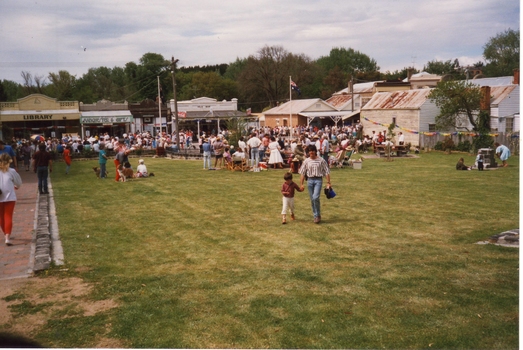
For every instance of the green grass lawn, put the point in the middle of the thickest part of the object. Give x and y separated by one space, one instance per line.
200 259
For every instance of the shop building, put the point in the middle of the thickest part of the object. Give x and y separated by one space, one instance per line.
105 116
149 116
39 114
206 114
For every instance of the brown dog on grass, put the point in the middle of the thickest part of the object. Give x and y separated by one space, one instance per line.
97 172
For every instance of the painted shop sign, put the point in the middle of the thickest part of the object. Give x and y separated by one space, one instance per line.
38 117
105 120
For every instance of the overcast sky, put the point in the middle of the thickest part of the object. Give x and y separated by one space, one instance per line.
42 36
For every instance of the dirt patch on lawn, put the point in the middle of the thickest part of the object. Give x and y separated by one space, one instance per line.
49 298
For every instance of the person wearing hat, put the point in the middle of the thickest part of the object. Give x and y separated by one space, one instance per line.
314 168
9 150
218 147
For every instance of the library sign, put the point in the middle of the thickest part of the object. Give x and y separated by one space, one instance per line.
38 117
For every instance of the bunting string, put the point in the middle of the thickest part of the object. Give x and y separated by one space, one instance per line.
432 133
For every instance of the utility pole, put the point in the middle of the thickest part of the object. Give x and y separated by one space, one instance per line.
352 91
173 74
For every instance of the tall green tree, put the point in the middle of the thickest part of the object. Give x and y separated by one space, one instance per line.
450 67
348 61
502 53
459 102
207 84
62 85
151 66
342 65
11 91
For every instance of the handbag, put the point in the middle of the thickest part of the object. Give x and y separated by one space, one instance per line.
329 192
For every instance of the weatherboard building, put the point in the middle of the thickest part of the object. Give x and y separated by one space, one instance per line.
39 114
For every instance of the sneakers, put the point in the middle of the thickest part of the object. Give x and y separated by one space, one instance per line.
7 240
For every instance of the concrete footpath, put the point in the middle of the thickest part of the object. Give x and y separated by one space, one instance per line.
18 260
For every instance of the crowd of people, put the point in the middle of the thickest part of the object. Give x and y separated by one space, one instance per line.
305 150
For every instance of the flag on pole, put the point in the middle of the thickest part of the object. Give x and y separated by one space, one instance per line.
295 87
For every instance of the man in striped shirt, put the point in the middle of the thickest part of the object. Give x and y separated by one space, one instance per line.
315 168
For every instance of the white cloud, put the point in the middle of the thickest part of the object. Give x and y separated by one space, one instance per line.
49 34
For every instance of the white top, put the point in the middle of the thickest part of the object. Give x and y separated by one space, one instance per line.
254 142
8 182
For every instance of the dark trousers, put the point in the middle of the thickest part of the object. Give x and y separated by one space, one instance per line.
42 172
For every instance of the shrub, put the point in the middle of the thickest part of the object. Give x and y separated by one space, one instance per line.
464 146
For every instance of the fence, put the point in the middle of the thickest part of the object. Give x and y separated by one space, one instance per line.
511 140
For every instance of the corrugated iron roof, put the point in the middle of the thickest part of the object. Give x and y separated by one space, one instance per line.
359 88
407 99
499 93
497 81
339 101
295 106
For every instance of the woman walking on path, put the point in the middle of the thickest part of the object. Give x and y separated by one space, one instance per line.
9 182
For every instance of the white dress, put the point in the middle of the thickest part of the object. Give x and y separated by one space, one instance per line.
275 156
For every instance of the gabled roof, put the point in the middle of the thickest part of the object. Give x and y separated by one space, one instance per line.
497 81
499 93
298 106
359 88
407 99
342 102
200 100
423 76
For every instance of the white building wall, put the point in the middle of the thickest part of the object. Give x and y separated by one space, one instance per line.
509 107
427 115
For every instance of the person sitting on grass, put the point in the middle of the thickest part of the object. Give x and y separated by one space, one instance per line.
141 170
461 165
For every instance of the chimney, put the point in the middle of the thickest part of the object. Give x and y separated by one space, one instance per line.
516 77
409 73
485 98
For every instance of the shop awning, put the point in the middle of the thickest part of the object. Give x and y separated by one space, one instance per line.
336 116
193 115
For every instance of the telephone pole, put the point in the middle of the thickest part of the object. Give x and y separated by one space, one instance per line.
174 102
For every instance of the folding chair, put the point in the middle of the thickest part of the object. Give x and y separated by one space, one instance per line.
340 158
240 164
229 163
346 160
